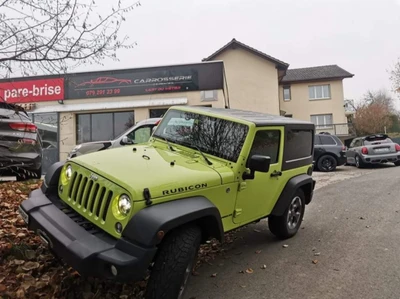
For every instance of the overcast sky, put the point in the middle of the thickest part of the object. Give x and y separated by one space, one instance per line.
361 36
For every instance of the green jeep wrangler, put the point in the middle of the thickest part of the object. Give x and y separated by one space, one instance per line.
205 171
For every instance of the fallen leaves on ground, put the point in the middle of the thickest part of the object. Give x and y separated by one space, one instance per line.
29 270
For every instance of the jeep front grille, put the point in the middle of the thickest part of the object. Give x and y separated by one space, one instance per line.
92 197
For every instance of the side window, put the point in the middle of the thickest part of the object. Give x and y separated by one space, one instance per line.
140 135
299 144
353 143
356 143
327 140
266 143
317 140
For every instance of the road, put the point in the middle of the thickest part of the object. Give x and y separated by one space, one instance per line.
351 230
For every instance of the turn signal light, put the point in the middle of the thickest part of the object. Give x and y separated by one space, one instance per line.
364 151
397 147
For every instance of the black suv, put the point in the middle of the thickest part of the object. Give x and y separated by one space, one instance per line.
20 144
329 152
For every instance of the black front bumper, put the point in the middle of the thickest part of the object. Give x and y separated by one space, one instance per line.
91 254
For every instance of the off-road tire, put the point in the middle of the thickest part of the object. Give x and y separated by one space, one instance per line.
177 252
332 161
397 163
279 225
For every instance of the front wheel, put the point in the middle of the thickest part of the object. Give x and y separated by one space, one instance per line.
174 263
397 163
287 225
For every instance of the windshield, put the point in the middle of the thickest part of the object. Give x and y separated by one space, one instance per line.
215 136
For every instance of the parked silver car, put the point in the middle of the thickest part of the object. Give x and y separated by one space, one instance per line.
139 133
373 149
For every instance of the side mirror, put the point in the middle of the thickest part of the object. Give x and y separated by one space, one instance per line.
126 140
257 163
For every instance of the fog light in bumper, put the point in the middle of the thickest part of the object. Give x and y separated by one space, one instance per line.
118 227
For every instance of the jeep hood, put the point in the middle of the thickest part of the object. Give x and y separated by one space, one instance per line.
93 146
163 172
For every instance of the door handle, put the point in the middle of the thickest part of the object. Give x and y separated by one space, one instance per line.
276 173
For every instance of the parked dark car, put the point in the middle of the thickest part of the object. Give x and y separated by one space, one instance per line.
373 149
329 152
139 133
20 144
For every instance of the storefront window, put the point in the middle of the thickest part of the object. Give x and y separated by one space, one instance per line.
157 112
102 126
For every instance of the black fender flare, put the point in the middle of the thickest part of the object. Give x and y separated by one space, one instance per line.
302 181
144 226
50 182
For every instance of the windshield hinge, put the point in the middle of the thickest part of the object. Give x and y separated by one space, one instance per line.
147 196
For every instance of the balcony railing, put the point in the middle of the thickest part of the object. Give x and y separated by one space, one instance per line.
336 129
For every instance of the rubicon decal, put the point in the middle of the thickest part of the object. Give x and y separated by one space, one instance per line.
186 188
32 91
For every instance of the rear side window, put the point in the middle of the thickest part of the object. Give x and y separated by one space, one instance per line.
299 144
13 115
327 140
317 141
266 143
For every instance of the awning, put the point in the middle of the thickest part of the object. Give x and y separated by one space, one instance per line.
110 105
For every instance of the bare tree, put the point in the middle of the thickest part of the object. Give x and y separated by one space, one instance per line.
53 36
395 77
374 112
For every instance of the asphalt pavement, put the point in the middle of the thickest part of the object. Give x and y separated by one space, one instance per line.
348 247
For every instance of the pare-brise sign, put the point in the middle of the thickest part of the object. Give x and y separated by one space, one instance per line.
32 91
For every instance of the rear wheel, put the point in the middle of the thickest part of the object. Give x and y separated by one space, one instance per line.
359 162
174 263
287 225
327 163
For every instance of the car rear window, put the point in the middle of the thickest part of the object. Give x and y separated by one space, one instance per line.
378 141
13 115
327 140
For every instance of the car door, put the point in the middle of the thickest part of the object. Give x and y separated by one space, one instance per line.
351 152
253 197
318 148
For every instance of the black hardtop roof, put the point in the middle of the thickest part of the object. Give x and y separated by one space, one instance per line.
375 136
258 118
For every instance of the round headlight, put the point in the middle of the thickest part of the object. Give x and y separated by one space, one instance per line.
124 204
68 172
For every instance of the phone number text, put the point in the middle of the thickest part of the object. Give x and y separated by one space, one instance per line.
100 92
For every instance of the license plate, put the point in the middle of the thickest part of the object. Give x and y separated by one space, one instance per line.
381 150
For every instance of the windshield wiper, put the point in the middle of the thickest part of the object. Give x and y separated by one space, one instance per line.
169 145
201 153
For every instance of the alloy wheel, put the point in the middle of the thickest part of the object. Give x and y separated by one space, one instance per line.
327 164
294 213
